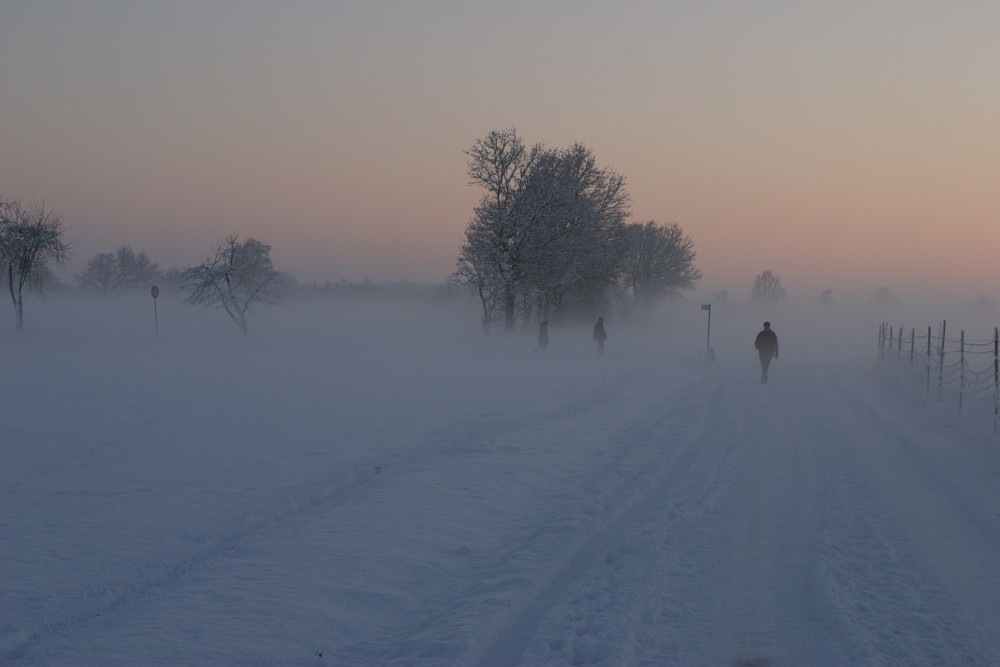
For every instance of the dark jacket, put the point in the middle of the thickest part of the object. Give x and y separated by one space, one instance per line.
767 343
599 333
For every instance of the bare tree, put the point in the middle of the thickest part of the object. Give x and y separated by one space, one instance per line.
238 277
657 261
30 237
101 274
493 256
476 268
884 298
767 289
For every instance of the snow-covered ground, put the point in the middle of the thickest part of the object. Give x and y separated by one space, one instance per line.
365 485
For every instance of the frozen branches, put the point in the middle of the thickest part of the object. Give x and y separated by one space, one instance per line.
237 278
767 289
120 270
550 234
30 237
546 230
657 261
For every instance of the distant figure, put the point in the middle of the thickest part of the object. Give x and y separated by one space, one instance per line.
600 335
543 336
767 349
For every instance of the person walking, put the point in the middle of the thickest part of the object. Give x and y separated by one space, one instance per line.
767 349
600 335
543 336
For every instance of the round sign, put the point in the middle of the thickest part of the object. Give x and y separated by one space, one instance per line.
155 291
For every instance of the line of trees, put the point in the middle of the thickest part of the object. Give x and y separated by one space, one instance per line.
238 277
121 270
551 235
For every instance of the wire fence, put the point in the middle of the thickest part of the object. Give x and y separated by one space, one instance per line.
960 374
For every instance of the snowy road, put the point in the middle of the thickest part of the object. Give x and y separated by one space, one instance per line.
796 525
430 507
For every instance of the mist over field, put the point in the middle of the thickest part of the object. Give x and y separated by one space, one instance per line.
374 481
848 321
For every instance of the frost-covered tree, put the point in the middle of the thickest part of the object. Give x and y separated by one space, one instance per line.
986 302
492 259
101 273
135 269
575 243
546 228
238 277
173 278
122 269
884 298
30 238
656 261
767 289
478 268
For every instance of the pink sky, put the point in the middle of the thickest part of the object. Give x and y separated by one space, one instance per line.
842 145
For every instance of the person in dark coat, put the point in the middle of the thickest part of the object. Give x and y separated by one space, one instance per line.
767 349
600 335
543 336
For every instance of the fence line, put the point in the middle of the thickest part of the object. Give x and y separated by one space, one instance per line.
967 372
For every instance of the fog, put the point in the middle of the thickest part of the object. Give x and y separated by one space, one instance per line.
374 481
836 331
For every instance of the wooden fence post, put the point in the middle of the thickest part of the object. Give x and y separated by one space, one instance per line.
944 329
996 377
928 359
961 369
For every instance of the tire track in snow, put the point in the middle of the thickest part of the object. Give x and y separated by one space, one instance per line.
952 532
732 578
276 508
505 642
828 562
752 643
874 597
845 570
786 616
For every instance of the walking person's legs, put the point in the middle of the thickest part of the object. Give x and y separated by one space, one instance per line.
765 361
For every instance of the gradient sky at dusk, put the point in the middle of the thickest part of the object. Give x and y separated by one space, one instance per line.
840 144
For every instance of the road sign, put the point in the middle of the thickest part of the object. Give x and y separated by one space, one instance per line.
156 315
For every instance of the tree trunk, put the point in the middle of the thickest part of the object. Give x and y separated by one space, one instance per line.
10 285
486 313
509 309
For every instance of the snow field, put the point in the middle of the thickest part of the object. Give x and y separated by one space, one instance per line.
382 486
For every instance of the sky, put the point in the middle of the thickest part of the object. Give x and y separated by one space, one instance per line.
841 145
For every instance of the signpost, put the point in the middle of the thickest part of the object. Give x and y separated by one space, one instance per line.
156 316
709 352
